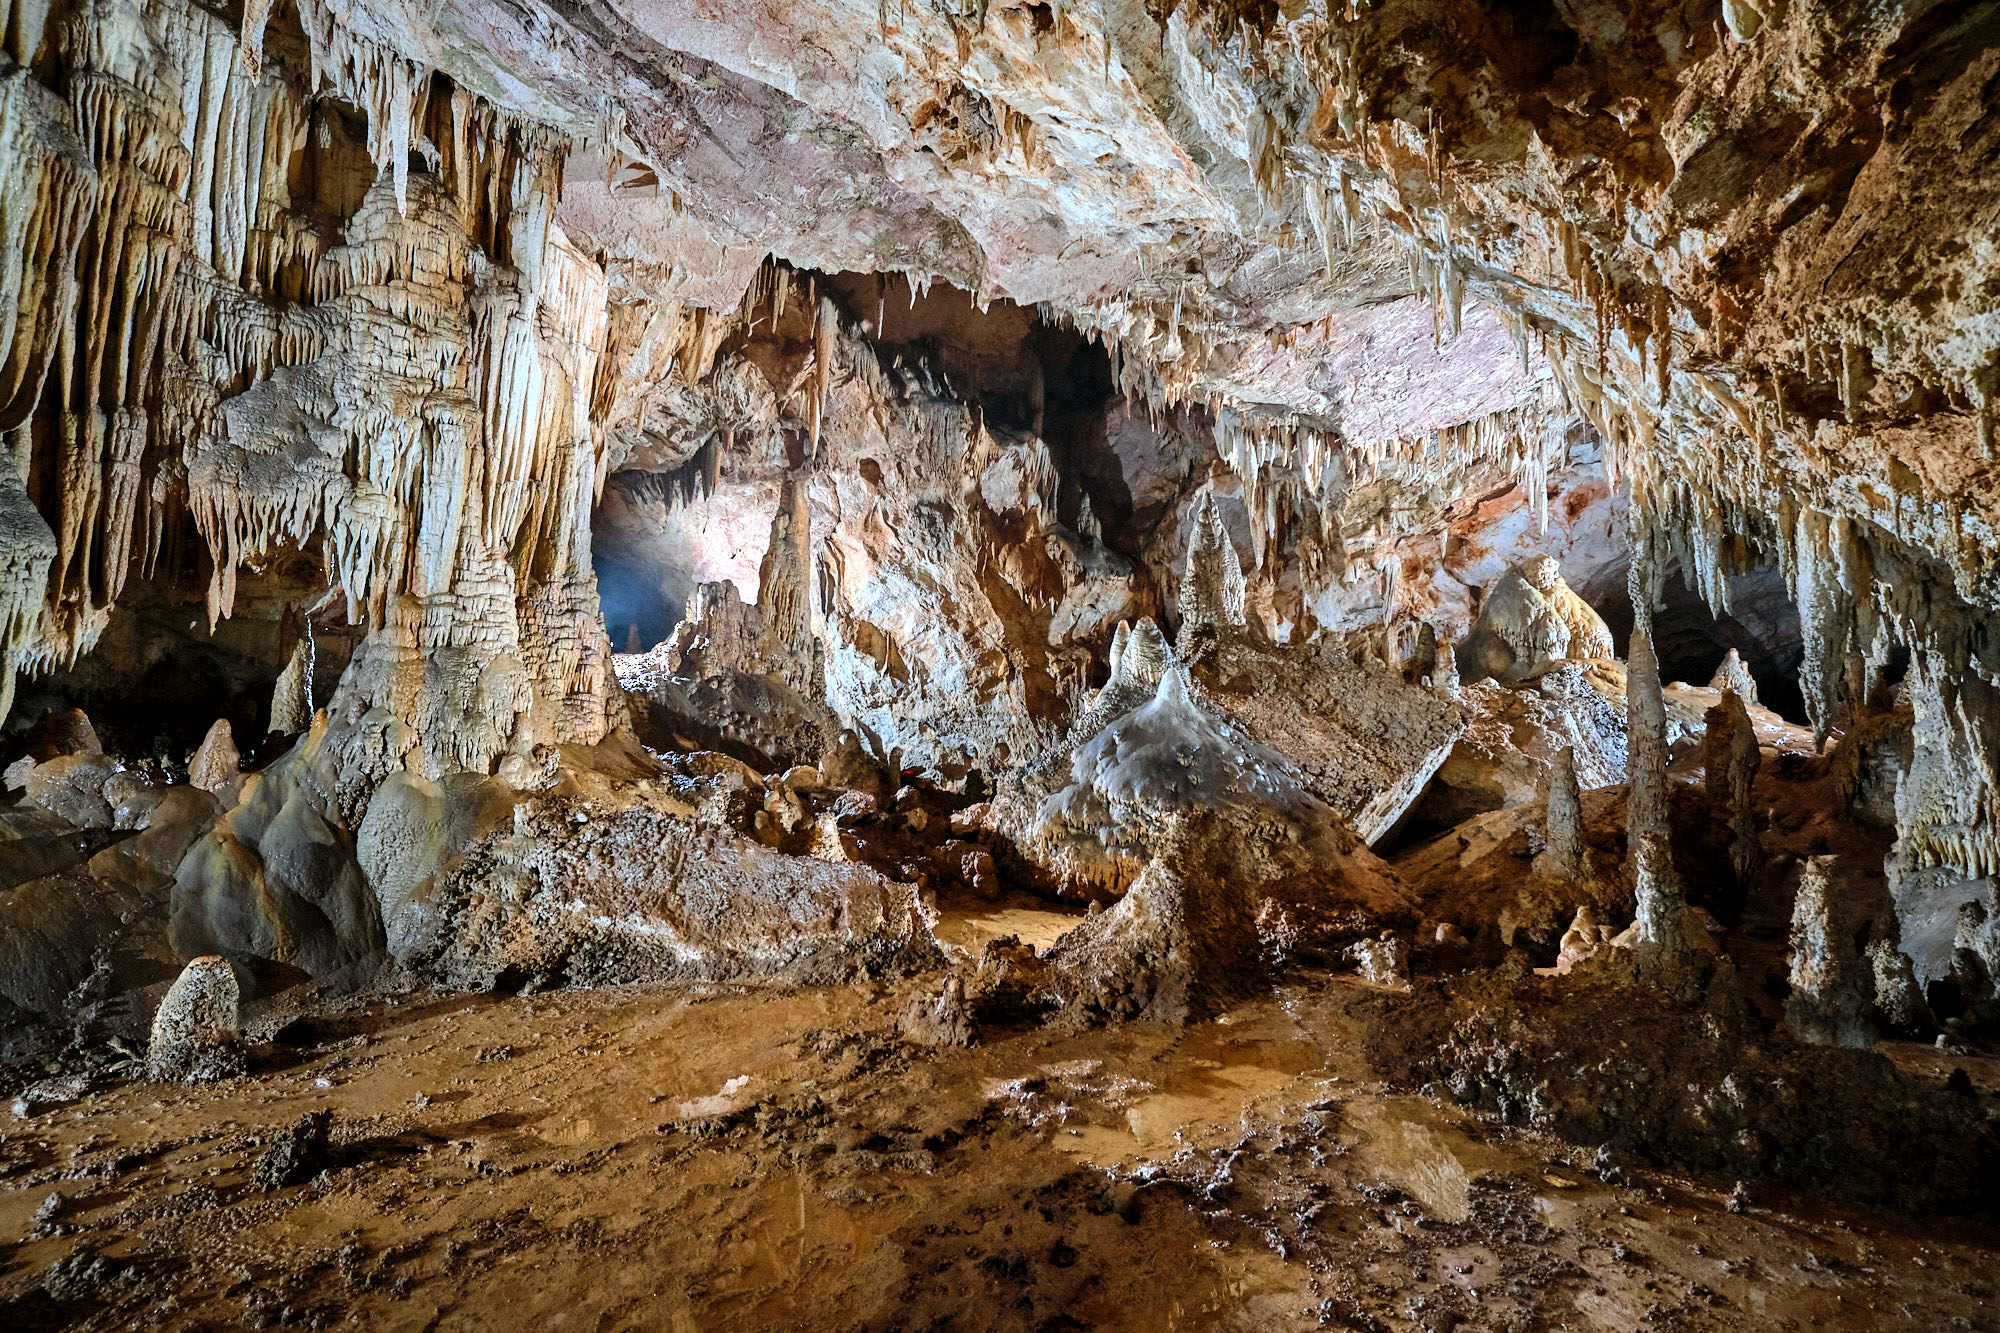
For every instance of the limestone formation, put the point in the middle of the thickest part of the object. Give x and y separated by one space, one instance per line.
1562 822
1667 947
1899 1000
1734 678
1829 1003
1529 620
1584 939
216 764
633 895
1646 729
1444 672
1730 758
1179 944
291 697
1975 959
1211 595
276 877
1175 754
882 379
195 1028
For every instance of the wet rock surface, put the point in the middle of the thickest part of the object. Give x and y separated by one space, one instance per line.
1693 1088
1253 1172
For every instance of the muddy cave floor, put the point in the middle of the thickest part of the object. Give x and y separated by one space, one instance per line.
654 1157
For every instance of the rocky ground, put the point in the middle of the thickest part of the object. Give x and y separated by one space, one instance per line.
700 1158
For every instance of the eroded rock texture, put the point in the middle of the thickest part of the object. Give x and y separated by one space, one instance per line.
1039 515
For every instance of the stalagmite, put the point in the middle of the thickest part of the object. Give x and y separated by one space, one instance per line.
1211 594
216 764
1646 729
1732 676
784 581
194 1032
1669 949
1899 997
1828 1005
1562 821
1583 940
1444 675
1529 620
1730 757
291 697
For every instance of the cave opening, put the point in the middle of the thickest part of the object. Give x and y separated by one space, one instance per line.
1691 640
696 504
642 590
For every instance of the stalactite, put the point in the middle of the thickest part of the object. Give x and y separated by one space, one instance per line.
1826 610
826 334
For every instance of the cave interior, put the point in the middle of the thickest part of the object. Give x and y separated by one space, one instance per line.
1018 666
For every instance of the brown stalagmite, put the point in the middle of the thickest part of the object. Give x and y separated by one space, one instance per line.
1730 758
1646 729
784 585
1562 821
216 764
1668 947
1830 980
1733 675
1444 675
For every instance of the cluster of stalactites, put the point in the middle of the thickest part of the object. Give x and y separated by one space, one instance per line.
494 162
1890 560
451 409
154 173
1861 591
422 396
1296 475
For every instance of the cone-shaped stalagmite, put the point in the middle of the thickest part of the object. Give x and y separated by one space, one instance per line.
1671 951
1646 725
1730 757
1444 675
1733 675
291 697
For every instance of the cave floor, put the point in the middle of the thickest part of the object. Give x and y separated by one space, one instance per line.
655 1158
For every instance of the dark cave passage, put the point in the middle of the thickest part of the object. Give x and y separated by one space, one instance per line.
1691 640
